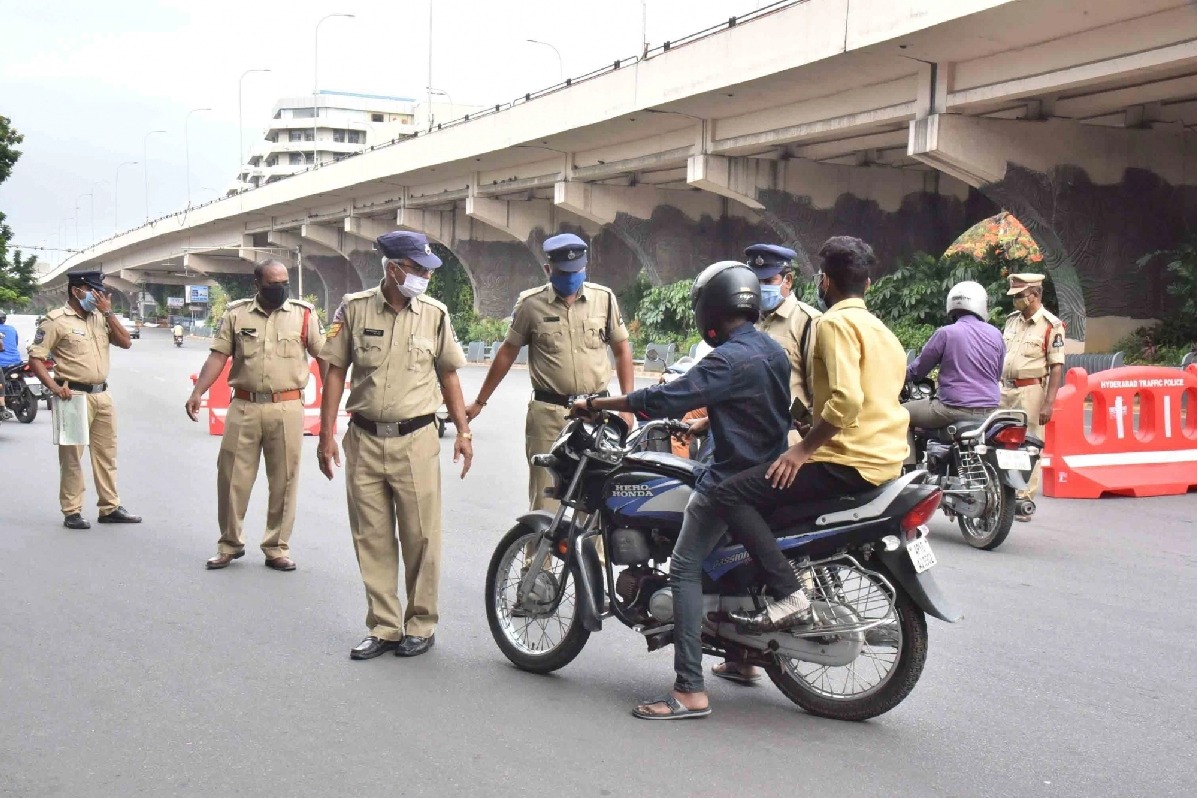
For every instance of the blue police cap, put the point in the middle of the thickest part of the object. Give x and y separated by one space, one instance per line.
413 246
767 260
566 252
89 279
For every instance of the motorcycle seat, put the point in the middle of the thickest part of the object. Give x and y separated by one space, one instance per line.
950 433
664 461
790 516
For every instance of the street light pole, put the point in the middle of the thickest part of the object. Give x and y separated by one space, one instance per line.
240 125
91 195
561 72
187 149
145 168
116 196
431 93
316 80
430 65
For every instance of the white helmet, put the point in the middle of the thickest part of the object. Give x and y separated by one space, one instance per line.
969 297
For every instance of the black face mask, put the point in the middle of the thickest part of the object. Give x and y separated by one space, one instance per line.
273 296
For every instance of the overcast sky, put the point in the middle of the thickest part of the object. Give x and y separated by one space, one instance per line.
84 81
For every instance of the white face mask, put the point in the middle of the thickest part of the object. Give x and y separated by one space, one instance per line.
412 286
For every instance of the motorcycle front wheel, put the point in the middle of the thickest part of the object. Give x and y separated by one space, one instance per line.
988 531
883 674
541 633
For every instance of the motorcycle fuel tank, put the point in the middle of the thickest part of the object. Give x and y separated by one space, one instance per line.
642 499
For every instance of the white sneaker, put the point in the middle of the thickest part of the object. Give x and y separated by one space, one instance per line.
785 613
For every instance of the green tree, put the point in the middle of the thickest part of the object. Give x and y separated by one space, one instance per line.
18 277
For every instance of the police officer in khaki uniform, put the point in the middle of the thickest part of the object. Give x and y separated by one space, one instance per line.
269 338
787 320
1032 370
568 326
404 354
77 337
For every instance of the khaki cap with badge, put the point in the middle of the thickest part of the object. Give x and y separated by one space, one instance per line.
1022 282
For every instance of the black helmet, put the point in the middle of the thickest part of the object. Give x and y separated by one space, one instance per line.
722 290
3 316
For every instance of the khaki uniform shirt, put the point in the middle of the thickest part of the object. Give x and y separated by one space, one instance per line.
858 369
567 344
792 325
1033 345
78 345
396 357
269 350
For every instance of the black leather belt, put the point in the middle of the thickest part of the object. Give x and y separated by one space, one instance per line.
392 429
84 387
550 398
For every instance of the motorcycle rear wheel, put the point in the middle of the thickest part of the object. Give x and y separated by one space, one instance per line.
912 648
537 642
989 531
26 409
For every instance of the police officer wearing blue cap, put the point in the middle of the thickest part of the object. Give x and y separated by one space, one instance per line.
404 355
568 325
785 319
78 337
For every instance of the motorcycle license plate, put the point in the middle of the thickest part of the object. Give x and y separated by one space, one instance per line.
1013 460
34 386
920 552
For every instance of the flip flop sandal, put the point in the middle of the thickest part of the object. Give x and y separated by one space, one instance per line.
736 677
677 711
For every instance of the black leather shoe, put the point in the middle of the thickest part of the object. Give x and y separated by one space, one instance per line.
76 521
119 516
412 646
372 647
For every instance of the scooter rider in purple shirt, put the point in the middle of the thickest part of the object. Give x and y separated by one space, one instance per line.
970 353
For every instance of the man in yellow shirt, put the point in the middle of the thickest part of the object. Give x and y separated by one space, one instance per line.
859 439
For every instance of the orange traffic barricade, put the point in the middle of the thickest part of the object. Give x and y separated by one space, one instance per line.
220 396
1127 431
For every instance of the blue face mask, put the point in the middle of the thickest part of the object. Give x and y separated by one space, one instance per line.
567 283
771 296
88 302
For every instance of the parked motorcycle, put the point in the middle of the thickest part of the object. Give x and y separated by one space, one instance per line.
978 466
21 392
864 563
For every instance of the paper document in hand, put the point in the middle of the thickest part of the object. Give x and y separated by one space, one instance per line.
70 421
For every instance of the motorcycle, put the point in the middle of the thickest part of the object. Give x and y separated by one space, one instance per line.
179 340
864 562
978 466
21 392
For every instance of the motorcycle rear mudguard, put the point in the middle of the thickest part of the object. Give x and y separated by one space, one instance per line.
586 568
922 588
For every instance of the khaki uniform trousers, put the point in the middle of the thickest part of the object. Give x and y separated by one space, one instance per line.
542 425
1029 399
395 483
101 421
254 432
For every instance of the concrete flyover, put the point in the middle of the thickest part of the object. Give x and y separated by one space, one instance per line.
901 122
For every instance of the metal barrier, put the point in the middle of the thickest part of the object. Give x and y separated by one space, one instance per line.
911 355
475 352
1188 359
1094 362
522 358
493 350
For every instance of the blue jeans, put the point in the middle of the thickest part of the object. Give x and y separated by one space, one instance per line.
701 531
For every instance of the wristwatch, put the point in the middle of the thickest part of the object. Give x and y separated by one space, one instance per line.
466 436
591 403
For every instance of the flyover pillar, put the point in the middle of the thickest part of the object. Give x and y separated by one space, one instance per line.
1096 199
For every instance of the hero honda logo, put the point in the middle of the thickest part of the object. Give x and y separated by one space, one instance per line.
631 492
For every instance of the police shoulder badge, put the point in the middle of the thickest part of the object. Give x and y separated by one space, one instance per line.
40 335
1058 341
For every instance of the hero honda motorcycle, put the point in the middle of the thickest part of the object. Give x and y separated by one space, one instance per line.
864 562
978 466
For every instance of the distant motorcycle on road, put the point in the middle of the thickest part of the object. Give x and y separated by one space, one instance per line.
978 466
21 392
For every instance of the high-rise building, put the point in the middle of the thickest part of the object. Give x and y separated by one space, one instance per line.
328 126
